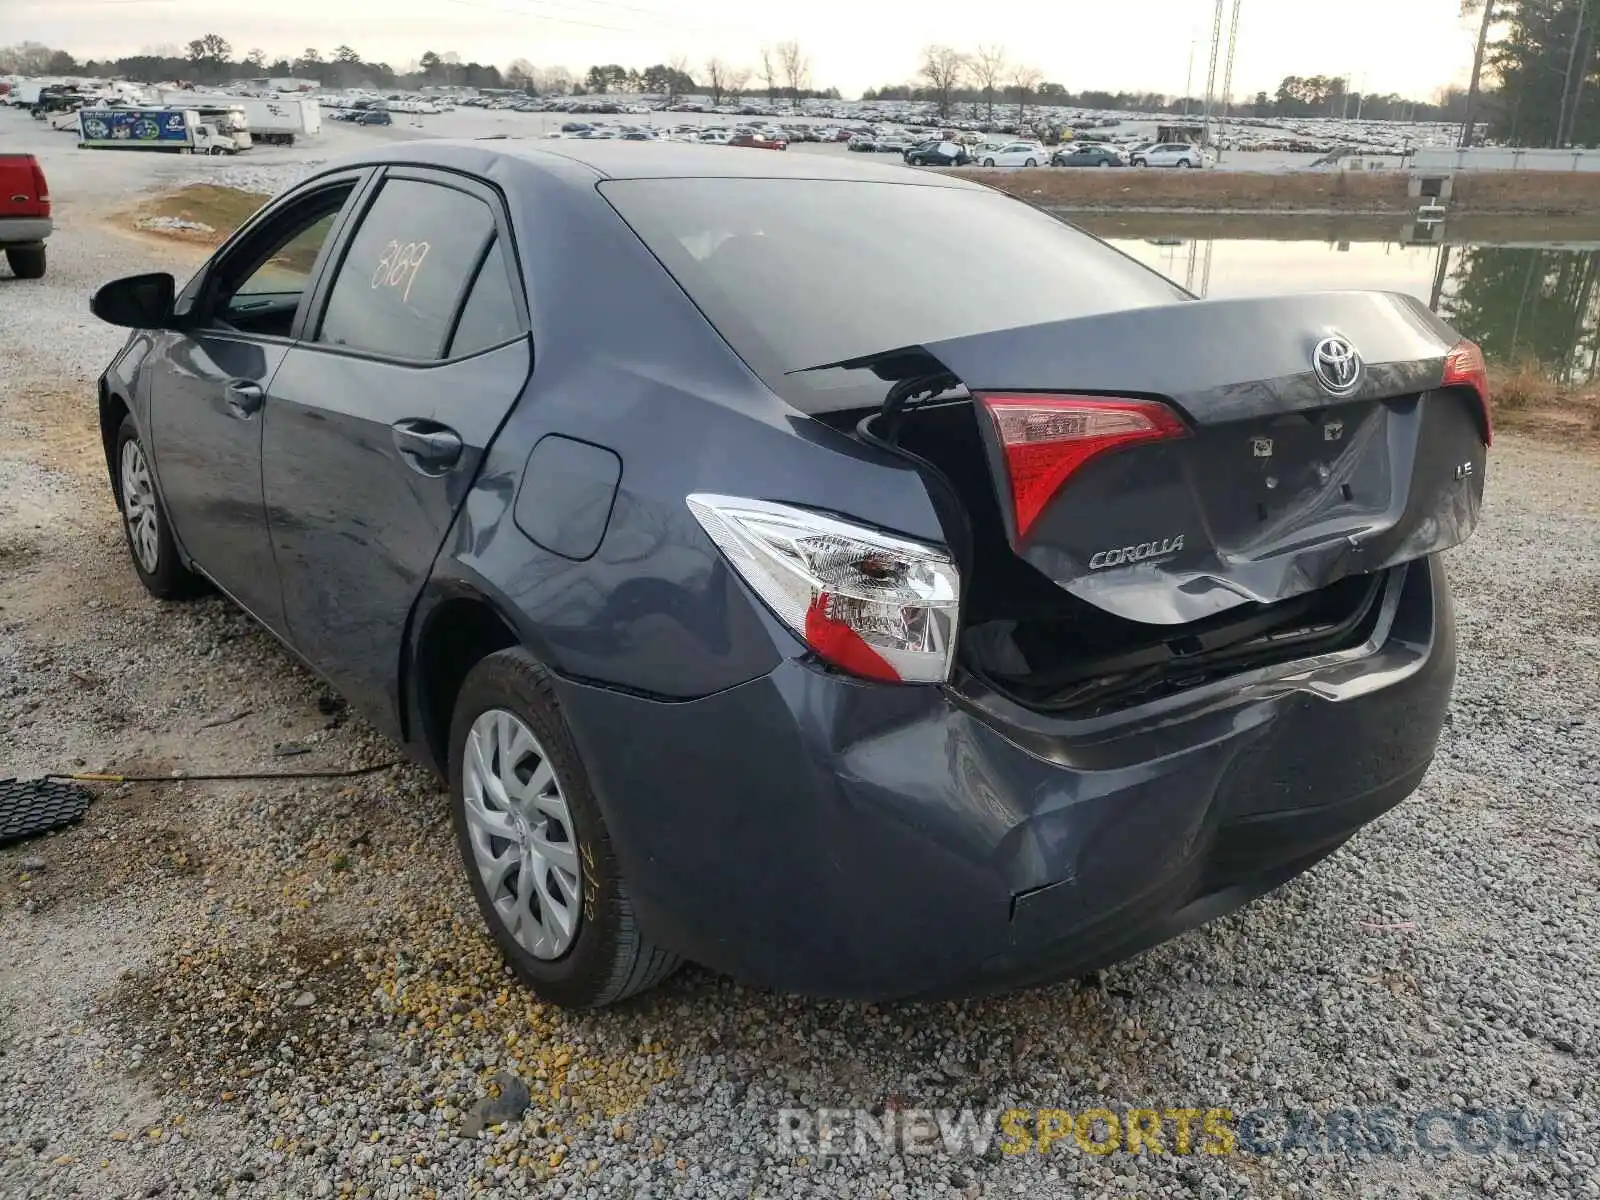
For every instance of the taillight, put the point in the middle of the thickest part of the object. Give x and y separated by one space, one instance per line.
40 188
875 605
1464 367
1045 439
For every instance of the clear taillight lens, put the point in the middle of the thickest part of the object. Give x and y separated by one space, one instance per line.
875 605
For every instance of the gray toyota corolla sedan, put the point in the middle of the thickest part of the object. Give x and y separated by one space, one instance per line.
773 596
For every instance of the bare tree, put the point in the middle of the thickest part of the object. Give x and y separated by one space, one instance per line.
737 79
1023 81
519 73
796 68
31 58
678 75
988 67
717 74
553 80
770 73
944 69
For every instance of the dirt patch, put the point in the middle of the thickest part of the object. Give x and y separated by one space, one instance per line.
201 214
1505 193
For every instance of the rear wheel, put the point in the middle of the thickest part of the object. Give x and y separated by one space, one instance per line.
1185 163
150 544
537 852
26 262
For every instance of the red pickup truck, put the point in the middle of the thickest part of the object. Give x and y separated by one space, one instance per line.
757 142
24 214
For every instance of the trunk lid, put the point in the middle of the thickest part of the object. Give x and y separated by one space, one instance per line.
1280 481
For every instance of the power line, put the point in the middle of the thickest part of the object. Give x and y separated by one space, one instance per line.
532 16
667 19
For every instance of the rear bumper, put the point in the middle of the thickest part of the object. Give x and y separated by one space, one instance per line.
24 231
838 838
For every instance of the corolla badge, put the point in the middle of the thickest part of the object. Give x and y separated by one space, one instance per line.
1124 556
1337 365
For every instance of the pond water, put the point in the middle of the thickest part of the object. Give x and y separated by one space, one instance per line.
1517 294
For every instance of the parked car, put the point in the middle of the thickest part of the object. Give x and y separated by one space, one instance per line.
1086 156
373 116
756 141
1168 154
862 144
25 221
869 637
1015 154
938 153
893 144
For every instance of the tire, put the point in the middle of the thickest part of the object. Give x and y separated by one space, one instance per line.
1185 164
145 525
1139 162
1030 163
26 262
606 958
988 162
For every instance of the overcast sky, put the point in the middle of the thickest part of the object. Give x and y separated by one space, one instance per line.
1408 46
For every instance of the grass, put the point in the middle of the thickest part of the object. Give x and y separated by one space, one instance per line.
1528 399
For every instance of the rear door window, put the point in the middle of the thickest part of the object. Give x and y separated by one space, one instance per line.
406 270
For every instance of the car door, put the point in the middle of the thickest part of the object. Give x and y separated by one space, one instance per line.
381 416
206 388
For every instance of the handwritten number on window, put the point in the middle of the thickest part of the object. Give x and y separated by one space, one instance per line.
399 266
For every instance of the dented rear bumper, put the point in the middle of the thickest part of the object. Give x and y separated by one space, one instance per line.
834 837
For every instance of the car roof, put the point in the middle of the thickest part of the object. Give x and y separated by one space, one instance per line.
612 159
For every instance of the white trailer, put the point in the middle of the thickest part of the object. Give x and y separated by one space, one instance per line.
274 122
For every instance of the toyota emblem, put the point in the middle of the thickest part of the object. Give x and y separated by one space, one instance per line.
1337 365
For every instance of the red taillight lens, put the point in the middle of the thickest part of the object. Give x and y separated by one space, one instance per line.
1047 438
1464 367
838 642
40 188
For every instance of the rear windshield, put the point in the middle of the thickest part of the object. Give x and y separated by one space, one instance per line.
798 273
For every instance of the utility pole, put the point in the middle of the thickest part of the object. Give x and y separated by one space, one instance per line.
1211 72
1227 76
1477 74
1188 82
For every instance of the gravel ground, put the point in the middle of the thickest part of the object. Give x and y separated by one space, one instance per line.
284 991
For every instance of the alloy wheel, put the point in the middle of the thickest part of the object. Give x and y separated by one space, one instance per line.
522 836
139 508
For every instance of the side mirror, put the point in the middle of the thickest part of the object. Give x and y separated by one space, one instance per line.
137 302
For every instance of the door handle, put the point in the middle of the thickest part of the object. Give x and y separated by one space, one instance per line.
427 446
244 398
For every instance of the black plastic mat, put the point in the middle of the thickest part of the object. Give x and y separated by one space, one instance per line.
34 806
